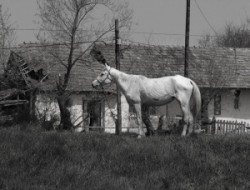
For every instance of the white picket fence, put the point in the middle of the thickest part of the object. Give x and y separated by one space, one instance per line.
216 127
225 127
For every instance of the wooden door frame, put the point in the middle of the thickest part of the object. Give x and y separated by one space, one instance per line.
85 102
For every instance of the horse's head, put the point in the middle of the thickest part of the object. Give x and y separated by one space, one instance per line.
103 78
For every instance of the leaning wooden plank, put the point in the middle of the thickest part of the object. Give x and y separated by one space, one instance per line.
9 93
12 102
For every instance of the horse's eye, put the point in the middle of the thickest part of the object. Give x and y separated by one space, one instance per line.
102 74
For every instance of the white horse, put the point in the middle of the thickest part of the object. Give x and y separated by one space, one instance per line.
140 90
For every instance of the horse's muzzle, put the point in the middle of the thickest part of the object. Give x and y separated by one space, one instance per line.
94 85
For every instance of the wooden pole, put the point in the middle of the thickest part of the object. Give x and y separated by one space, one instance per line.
186 67
32 105
117 60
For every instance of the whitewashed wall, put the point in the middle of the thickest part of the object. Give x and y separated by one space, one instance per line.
48 107
111 106
228 112
76 109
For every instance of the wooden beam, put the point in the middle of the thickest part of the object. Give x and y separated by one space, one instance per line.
117 60
186 66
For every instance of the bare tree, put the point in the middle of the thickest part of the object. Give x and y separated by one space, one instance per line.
207 41
233 36
77 24
7 37
215 77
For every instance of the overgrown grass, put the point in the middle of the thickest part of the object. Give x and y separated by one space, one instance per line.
33 159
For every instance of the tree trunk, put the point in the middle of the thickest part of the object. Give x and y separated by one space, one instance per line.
204 110
65 123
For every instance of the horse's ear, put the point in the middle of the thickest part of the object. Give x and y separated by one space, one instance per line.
107 66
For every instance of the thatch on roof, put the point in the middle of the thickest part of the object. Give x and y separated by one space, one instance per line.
9 93
39 57
209 67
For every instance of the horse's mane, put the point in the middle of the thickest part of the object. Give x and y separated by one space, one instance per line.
97 54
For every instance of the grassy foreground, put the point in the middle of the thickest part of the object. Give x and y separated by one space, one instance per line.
32 159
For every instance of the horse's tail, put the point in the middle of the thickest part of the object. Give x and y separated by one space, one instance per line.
196 97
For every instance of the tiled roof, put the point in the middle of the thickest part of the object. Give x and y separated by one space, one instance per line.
216 67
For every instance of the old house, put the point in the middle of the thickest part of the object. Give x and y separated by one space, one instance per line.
12 101
35 69
221 73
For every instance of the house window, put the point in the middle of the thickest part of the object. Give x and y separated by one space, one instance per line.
131 109
217 104
204 108
92 115
94 110
236 99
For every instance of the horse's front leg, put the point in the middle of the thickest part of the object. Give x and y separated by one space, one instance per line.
146 120
139 119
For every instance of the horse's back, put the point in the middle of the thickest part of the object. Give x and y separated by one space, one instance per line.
156 91
182 82
171 83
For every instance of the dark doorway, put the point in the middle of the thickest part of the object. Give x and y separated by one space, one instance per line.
94 111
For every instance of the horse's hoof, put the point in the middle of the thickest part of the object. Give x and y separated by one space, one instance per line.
151 133
140 136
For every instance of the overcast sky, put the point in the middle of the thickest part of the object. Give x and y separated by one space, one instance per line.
155 21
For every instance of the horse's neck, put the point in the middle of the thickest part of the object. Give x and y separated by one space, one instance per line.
121 78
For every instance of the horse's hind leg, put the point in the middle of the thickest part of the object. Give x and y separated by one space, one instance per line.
187 115
188 120
191 123
139 119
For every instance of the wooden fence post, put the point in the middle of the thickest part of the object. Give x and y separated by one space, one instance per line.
213 125
244 127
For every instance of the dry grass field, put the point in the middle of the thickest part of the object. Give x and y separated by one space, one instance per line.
34 159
